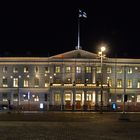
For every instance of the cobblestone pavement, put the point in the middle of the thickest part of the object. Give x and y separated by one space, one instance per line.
71 126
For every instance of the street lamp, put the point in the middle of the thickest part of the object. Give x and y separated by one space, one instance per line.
101 55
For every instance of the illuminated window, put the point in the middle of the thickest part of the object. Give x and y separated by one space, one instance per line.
88 97
68 69
138 98
25 97
129 70
15 70
138 84
35 98
78 69
57 69
67 97
15 82
109 81
26 83
78 97
36 82
47 70
4 69
4 97
131 98
119 83
88 69
46 82
4 82
36 69
98 69
129 83
26 70
57 97
119 70
109 69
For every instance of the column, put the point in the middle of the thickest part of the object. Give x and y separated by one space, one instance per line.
93 75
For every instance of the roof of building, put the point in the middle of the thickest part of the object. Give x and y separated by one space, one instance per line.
75 54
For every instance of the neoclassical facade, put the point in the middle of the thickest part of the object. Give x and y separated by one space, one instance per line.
69 81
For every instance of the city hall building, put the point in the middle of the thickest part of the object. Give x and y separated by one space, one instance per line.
69 81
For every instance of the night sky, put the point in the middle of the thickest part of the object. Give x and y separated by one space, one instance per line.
45 29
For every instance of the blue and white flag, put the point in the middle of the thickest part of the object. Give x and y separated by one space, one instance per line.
82 14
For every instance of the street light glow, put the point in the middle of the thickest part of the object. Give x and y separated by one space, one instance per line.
103 48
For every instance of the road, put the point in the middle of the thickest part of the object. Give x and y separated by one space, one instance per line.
69 126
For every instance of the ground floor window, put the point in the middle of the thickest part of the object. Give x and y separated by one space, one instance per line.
4 97
15 97
68 97
57 97
78 97
88 97
119 98
138 98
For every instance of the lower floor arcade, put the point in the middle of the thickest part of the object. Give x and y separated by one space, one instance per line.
85 99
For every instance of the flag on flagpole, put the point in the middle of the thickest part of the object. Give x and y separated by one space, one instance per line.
82 14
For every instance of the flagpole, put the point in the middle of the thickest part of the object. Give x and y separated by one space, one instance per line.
78 46
80 14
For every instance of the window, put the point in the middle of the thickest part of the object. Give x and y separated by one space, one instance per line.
15 82
78 97
88 69
26 83
57 97
68 69
131 98
15 97
119 83
15 70
119 70
4 97
138 98
68 80
67 97
98 70
119 98
87 80
47 70
35 98
4 82
109 81
88 97
46 82
138 84
36 82
78 69
129 83
26 70
36 69
78 80
25 97
4 69
129 70
57 69
57 81
109 69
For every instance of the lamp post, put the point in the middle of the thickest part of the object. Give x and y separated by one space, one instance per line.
101 55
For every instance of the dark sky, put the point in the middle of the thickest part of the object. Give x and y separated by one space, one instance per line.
42 29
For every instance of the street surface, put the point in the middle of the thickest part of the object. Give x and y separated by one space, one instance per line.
69 126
